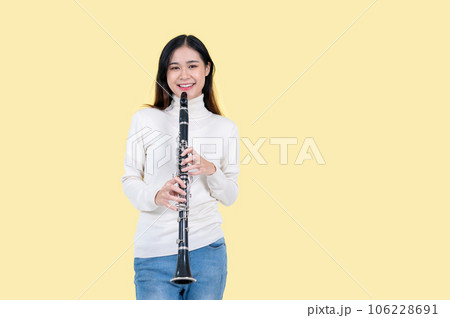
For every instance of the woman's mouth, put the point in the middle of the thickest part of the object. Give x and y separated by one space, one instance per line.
186 87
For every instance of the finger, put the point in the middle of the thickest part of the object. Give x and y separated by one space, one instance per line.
198 159
190 167
169 183
189 149
187 160
170 206
177 199
195 173
180 182
176 189
168 186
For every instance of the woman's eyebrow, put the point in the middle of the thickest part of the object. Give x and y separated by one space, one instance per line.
191 61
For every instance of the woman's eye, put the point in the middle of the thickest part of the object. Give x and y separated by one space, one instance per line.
176 67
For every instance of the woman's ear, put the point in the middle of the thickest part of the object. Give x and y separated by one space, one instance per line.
207 69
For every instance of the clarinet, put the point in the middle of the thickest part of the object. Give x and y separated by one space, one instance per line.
183 273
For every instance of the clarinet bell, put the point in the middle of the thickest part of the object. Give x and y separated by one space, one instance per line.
183 275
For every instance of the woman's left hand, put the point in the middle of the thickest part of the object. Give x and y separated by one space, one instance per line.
196 161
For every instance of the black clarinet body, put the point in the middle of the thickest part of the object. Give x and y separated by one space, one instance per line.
183 273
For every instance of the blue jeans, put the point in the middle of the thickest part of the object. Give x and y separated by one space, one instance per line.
208 266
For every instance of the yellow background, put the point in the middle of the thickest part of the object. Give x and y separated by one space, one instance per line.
371 223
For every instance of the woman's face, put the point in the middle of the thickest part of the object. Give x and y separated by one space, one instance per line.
186 68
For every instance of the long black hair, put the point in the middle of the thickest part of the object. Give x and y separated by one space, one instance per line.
162 98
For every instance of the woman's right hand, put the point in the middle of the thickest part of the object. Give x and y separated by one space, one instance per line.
170 191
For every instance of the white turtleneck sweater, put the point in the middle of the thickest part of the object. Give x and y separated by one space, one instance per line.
151 160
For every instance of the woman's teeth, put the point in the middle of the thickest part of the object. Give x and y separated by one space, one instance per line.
188 85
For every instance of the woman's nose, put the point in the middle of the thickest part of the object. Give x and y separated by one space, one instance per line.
184 72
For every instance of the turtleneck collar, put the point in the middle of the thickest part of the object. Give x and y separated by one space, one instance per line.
196 107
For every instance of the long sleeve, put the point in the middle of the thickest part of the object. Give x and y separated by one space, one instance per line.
223 183
140 194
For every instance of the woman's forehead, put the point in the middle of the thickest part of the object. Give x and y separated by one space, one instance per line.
185 54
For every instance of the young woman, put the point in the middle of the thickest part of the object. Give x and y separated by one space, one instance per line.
150 183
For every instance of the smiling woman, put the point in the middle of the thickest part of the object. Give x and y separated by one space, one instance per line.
185 66
184 61
187 72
